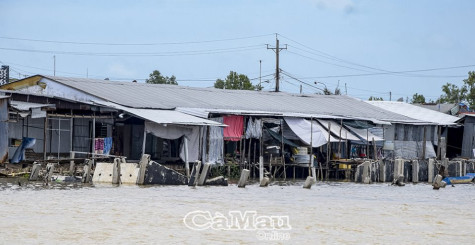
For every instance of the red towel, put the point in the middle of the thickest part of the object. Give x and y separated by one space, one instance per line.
234 129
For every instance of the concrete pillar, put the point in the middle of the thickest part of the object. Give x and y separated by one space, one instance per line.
464 168
35 172
366 172
144 160
261 168
438 183
116 171
443 148
72 164
243 179
49 172
382 171
430 167
204 173
308 182
415 171
187 165
398 168
86 176
265 182
195 173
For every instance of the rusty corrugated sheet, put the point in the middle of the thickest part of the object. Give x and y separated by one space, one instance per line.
3 129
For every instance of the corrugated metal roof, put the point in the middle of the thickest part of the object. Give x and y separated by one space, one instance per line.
159 96
163 116
26 106
416 112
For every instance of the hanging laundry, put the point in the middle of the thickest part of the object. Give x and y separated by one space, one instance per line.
107 145
234 130
254 129
99 145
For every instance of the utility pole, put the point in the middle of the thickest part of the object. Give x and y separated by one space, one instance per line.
277 50
390 96
346 91
54 65
260 74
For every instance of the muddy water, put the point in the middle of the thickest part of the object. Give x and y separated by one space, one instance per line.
328 213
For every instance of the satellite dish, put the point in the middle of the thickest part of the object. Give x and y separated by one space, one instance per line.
400 99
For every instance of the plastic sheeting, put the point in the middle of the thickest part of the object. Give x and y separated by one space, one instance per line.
279 138
254 129
302 128
216 143
19 154
174 132
335 129
412 149
364 133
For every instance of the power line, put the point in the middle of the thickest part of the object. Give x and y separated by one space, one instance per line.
171 53
407 71
133 44
383 71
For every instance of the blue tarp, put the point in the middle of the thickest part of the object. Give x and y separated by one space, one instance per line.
20 151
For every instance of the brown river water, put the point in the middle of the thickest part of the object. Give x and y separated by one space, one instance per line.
329 213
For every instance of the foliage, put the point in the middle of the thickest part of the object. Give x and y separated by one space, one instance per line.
469 86
235 81
452 94
374 98
418 99
156 78
217 170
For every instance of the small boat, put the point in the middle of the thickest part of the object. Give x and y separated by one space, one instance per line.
467 179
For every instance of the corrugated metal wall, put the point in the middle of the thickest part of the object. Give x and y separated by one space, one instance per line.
3 130
468 137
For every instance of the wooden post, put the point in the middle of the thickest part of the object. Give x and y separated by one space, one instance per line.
339 140
71 130
93 134
424 144
367 143
45 136
328 150
375 149
311 145
282 160
438 142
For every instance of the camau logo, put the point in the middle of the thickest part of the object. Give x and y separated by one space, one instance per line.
235 220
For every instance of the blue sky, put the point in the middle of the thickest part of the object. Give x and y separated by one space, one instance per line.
329 41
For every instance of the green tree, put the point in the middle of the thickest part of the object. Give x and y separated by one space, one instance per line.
418 99
235 81
374 98
156 78
452 94
469 86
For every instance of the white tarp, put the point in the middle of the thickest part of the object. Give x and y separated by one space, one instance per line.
192 133
364 133
308 133
216 143
254 129
412 149
335 129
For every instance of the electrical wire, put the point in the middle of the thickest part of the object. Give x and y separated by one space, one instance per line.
133 44
171 53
